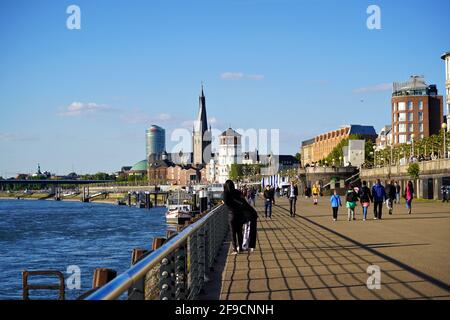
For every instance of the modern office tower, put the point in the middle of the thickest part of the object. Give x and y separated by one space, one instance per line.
155 143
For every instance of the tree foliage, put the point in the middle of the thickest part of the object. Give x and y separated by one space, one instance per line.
414 170
241 171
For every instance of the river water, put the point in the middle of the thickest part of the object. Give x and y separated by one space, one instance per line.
41 235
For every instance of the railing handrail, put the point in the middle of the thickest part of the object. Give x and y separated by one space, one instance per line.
124 281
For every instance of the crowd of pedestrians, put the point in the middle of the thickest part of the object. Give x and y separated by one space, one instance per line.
243 216
378 196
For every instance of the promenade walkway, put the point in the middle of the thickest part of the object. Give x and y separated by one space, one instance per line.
312 257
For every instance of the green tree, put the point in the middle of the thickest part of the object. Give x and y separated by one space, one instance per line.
414 170
235 172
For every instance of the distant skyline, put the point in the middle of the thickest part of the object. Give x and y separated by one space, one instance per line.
82 99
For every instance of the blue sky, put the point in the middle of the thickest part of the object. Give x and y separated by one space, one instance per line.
82 99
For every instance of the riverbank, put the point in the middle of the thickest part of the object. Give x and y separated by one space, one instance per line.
107 201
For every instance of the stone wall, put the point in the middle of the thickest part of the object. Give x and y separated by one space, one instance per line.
432 175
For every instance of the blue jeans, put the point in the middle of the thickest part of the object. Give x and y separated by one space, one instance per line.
365 212
268 206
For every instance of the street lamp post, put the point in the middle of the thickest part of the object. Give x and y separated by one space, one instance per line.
444 127
375 156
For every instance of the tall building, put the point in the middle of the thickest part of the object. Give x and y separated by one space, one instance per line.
201 136
446 57
230 152
416 110
384 137
155 139
322 145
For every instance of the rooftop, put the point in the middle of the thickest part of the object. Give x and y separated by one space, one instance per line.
361 129
445 55
230 133
140 166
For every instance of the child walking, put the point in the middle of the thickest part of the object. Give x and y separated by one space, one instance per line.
335 204
352 199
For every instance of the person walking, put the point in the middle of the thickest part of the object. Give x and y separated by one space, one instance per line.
253 196
390 195
268 202
397 192
292 195
335 204
250 227
351 198
315 193
365 197
444 191
234 201
409 195
272 195
379 196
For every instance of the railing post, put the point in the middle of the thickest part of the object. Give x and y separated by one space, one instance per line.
210 242
137 291
201 258
193 266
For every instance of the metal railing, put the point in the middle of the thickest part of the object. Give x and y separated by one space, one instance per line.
178 269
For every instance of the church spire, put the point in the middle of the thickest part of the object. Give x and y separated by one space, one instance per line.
202 122
201 139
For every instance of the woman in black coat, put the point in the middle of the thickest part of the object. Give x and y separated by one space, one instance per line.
240 212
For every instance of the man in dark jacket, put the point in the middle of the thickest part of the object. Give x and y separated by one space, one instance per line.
379 196
390 195
292 195
397 192
268 196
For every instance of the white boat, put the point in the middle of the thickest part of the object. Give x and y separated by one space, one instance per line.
178 214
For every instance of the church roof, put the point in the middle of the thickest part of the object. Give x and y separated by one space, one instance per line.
201 124
230 133
140 166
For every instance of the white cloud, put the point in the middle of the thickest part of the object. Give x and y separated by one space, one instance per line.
241 76
77 109
375 88
137 116
8 136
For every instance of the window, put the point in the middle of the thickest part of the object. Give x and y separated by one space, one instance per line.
402 116
410 127
420 116
410 105
402 138
421 127
395 139
394 105
420 105
402 128
401 106
410 117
